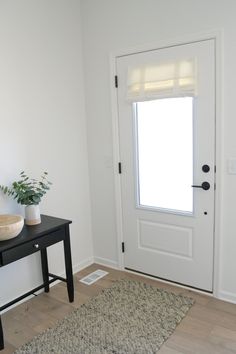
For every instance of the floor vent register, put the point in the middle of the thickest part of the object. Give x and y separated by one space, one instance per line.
93 277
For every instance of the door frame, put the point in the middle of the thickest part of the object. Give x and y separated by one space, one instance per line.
217 36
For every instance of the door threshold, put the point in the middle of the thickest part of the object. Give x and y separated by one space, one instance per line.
170 282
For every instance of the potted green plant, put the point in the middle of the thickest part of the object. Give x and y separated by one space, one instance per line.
29 192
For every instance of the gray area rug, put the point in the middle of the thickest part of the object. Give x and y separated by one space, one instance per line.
130 317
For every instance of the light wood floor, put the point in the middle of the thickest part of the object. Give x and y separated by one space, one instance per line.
209 327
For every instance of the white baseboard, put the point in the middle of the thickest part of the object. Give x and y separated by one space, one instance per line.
227 296
81 265
106 262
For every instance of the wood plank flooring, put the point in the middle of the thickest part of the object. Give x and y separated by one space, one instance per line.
208 328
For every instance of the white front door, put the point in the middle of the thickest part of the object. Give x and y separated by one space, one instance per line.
167 147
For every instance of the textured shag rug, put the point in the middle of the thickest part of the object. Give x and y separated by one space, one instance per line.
129 318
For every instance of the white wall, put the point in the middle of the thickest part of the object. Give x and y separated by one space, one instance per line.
42 124
111 25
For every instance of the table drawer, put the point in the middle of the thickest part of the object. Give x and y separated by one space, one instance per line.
31 247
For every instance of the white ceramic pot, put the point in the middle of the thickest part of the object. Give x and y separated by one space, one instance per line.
32 215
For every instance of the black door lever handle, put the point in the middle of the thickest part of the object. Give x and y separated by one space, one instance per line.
204 185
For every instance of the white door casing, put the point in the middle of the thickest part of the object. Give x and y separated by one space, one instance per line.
171 245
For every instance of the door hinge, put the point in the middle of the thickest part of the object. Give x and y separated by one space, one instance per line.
123 247
215 168
119 167
116 81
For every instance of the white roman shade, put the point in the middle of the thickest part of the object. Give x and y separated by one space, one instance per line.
162 80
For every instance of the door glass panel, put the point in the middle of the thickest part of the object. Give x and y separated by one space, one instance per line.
164 145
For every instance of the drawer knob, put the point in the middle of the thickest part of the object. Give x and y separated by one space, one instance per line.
36 245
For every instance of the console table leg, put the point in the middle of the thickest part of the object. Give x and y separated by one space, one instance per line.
1 336
44 262
68 265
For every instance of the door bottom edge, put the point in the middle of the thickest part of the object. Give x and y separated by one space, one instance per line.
171 282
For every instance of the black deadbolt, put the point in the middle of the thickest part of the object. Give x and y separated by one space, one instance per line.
206 168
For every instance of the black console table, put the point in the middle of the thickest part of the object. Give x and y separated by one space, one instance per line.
33 239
